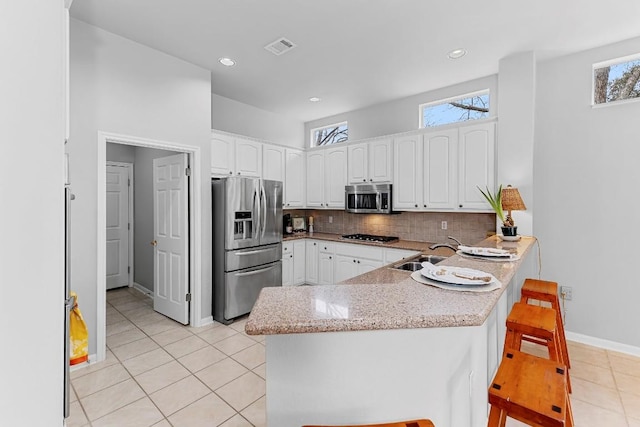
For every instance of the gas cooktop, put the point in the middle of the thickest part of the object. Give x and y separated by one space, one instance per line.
370 238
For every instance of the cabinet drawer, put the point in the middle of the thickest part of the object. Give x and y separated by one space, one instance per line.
360 251
327 247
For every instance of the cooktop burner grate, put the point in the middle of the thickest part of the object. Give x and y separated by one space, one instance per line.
371 238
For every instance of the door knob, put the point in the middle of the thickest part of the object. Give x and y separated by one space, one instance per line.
154 243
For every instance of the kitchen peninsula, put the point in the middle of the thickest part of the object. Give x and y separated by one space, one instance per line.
382 347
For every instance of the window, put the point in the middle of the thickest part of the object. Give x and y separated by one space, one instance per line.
616 80
460 109
332 134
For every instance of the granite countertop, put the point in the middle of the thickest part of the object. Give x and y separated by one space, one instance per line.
382 299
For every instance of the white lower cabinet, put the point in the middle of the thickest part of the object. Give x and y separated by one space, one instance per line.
353 260
325 268
311 268
393 255
293 263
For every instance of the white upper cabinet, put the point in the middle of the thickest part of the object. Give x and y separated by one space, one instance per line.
231 155
335 166
477 165
248 158
370 161
294 179
273 162
315 178
407 172
222 155
440 154
326 177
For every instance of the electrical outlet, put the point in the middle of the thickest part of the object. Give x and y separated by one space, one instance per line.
443 225
567 292
330 220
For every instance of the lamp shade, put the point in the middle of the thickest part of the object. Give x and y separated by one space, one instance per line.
511 200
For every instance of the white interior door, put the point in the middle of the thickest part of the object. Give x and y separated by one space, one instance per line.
117 226
170 224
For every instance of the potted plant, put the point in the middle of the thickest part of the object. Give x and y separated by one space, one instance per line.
495 200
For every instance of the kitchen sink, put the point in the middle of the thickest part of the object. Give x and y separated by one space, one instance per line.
417 264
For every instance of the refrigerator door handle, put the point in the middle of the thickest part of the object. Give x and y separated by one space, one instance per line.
256 210
263 212
251 273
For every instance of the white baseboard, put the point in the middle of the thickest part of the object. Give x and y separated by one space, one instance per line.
140 288
602 343
204 322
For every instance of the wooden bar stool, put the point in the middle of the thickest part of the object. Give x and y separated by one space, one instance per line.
543 290
414 423
531 390
535 324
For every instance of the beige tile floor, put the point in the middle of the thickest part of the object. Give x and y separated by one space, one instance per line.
160 373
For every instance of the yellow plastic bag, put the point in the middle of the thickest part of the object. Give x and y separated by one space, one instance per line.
78 335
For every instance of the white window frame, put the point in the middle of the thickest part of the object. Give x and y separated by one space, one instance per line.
608 63
446 100
313 131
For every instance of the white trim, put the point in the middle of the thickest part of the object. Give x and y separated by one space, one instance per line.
452 98
602 343
130 214
67 3
206 321
616 61
138 287
608 63
195 237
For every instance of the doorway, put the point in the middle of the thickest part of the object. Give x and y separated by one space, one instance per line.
191 212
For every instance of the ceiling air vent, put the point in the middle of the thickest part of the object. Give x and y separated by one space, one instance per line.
280 46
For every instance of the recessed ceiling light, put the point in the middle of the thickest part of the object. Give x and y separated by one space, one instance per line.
227 62
457 53
314 99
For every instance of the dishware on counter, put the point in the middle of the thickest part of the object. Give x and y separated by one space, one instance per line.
456 275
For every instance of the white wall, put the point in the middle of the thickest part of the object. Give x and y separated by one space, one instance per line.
586 180
516 85
242 119
118 86
401 115
32 212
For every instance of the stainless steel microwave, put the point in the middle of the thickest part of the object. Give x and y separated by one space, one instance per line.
368 198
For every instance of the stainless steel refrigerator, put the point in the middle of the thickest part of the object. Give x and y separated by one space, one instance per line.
247 243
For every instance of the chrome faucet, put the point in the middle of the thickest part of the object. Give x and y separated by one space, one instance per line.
446 245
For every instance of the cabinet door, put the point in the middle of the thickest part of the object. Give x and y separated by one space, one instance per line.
477 165
380 160
364 265
344 268
440 153
315 178
273 163
222 155
299 262
325 269
287 264
393 255
335 177
407 176
358 159
294 179
248 158
311 267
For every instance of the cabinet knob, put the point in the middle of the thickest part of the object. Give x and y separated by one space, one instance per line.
460 206
330 258
314 243
354 260
364 180
370 179
416 206
325 248
230 172
358 262
425 206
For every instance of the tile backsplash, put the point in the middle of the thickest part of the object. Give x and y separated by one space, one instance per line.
417 226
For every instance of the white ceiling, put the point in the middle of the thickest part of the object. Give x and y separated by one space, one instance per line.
355 53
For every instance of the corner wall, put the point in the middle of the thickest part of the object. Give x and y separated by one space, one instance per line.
586 191
121 87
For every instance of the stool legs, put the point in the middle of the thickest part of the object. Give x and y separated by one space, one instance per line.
542 290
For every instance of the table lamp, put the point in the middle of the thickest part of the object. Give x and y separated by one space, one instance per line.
511 201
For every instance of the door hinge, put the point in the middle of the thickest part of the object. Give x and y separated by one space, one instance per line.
128 182
128 226
129 269
188 297
187 171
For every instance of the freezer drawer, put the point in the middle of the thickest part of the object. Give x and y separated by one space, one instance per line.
243 287
250 257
